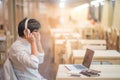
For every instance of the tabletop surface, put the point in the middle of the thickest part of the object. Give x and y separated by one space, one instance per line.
98 53
108 72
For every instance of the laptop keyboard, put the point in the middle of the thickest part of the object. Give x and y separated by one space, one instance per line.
75 67
79 66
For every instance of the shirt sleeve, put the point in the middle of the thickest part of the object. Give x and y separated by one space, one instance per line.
40 56
30 61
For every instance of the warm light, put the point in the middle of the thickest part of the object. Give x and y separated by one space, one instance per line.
81 7
62 0
62 5
96 2
102 3
0 2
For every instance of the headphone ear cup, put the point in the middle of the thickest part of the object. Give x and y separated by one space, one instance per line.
26 31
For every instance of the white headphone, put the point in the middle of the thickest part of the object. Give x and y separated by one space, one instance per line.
26 30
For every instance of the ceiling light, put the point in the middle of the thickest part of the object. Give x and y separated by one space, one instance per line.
61 4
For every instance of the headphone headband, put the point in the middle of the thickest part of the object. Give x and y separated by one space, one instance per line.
26 23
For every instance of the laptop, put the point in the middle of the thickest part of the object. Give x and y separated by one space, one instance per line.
85 64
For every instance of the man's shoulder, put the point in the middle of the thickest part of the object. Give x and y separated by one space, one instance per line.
17 45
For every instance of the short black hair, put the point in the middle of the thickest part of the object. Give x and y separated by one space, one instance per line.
95 20
32 25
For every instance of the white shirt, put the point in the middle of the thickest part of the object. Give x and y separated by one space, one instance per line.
25 65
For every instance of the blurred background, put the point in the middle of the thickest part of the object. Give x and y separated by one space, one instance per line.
61 20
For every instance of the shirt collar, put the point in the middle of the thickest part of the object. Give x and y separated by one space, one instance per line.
23 40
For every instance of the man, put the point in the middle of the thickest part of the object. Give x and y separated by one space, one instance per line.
26 52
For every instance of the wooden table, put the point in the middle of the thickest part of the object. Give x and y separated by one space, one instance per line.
111 56
59 49
108 72
98 44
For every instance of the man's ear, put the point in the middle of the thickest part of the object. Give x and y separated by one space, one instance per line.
26 31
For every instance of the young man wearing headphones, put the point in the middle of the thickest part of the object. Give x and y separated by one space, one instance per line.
26 52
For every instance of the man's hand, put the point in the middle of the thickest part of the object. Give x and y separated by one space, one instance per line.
30 37
38 42
37 36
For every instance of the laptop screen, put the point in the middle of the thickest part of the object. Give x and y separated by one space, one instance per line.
88 58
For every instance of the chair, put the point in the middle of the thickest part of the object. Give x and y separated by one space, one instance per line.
108 39
8 72
114 39
88 33
59 46
119 41
68 53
